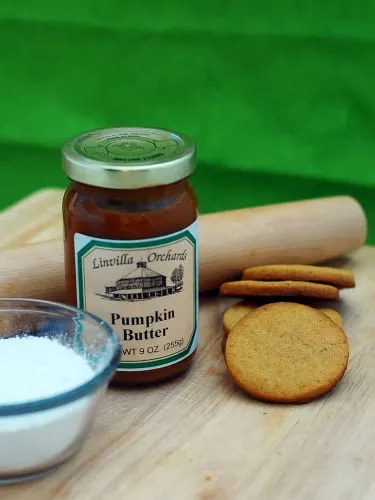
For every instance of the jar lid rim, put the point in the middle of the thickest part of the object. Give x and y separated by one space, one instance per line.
129 157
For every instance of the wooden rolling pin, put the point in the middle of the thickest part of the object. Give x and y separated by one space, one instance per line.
304 232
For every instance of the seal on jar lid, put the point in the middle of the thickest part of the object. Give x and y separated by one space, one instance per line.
129 158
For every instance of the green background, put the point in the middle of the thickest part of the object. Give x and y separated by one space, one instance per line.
279 96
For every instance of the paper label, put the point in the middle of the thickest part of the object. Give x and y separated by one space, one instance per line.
146 290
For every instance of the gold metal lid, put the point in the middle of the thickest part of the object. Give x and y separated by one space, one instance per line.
129 158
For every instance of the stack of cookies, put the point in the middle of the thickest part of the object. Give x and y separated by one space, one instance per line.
286 351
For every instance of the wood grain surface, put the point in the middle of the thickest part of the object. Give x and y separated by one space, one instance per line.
198 437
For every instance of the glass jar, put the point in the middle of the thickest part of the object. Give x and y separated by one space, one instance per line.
131 250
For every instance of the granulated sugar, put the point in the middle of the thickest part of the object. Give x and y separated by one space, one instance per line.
37 368
31 369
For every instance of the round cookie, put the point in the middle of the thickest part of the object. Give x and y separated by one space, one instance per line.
286 352
236 312
332 314
279 289
341 278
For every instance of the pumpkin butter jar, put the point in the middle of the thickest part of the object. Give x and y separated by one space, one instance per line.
130 222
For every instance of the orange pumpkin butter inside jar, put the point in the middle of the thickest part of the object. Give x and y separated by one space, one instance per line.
130 220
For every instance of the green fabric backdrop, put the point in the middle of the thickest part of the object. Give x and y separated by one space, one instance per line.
279 96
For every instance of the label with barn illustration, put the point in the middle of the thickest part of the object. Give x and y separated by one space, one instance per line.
147 290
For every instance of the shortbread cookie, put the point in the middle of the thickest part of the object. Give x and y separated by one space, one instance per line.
286 352
236 312
332 314
340 278
279 289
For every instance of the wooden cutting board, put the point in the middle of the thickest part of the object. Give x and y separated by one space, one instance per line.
199 437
